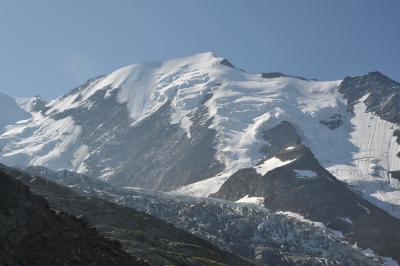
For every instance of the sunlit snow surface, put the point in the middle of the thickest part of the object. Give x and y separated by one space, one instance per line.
47 142
252 200
242 105
271 164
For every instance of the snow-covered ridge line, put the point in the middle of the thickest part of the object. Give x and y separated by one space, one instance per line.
145 87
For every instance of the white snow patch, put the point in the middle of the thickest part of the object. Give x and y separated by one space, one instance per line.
300 218
252 200
80 155
205 187
271 164
106 173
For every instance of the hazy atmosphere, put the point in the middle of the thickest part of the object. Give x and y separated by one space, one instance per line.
49 47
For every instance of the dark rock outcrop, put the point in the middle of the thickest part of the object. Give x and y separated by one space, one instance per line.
333 122
141 235
383 94
279 137
226 62
33 234
280 75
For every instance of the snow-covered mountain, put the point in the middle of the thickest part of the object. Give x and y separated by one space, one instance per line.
189 124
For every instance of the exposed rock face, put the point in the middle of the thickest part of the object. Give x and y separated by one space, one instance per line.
280 75
32 234
161 156
279 137
333 122
395 174
303 186
383 94
226 63
141 235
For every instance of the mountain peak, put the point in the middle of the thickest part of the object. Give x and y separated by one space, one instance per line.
376 75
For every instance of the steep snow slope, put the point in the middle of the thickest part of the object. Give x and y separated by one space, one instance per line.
10 112
190 123
44 141
374 156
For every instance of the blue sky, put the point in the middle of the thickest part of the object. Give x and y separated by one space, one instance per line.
49 47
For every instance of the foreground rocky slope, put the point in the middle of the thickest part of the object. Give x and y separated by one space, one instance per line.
33 234
142 236
244 229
